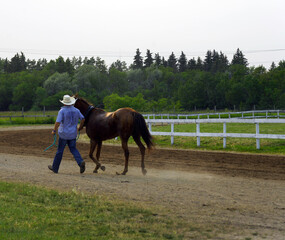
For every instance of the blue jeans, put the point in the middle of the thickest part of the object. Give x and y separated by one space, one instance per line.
72 147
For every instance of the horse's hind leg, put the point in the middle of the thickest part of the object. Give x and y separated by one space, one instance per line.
99 146
142 149
93 145
127 153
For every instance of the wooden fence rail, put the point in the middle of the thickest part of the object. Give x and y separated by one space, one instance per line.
224 134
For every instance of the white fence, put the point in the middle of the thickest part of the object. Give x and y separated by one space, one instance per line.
244 114
224 134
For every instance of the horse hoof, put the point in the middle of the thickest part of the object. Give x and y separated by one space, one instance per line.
123 173
144 172
103 168
95 171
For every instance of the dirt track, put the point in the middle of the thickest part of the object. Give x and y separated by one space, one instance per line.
234 195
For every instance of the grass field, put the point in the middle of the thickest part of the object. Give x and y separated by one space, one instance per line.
268 146
29 212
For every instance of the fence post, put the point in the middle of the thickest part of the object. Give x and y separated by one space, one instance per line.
198 133
224 131
172 131
257 139
149 126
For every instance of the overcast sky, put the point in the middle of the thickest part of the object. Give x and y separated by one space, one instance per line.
114 29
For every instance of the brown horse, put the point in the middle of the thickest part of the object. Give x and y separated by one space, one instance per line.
124 122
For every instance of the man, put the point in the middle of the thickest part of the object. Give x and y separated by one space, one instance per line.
66 124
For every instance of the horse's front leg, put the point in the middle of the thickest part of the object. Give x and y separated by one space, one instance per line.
93 145
126 153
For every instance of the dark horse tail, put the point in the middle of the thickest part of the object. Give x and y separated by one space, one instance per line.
140 129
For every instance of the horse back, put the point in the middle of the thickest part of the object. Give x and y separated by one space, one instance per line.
106 125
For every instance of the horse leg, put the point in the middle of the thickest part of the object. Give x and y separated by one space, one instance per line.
99 146
142 149
127 153
93 145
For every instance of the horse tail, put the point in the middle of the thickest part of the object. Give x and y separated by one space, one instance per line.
140 129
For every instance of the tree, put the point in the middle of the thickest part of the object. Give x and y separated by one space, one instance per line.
118 81
41 63
119 65
164 62
100 64
17 64
135 78
31 65
68 66
2 62
138 60
157 60
40 95
76 62
82 78
182 62
57 82
172 62
239 58
199 64
192 64
223 63
148 59
60 65
272 67
208 61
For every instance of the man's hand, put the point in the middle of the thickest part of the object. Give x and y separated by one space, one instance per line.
81 125
56 125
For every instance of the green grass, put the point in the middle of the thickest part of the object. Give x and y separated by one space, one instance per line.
18 119
29 212
26 120
268 146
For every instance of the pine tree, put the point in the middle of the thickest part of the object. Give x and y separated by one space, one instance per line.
138 60
164 62
6 66
182 62
172 62
273 66
199 64
208 61
215 62
192 65
239 58
148 59
157 60
223 63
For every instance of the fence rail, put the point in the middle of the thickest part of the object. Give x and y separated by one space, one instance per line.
242 115
224 134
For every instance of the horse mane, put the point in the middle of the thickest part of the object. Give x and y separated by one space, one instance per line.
87 102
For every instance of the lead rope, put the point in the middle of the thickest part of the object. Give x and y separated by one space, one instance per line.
54 141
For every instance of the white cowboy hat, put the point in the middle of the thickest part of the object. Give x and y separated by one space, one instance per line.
67 100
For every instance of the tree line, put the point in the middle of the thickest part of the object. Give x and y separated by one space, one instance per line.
150 84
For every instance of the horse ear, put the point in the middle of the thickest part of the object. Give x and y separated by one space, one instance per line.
75 95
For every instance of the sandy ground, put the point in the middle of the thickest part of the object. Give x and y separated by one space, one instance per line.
238 196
